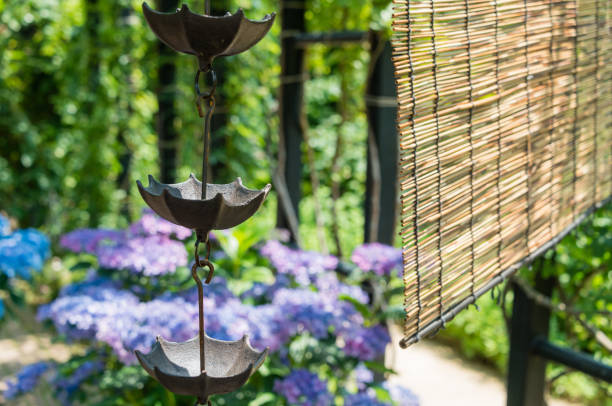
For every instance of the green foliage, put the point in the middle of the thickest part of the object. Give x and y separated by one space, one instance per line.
78 104
70 88
582 266
480 334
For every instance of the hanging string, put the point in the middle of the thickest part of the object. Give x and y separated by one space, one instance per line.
499 138
471 148
436 101
595 116
415 205
529 132
553 119
575 126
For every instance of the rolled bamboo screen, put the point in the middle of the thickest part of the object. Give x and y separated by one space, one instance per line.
506 141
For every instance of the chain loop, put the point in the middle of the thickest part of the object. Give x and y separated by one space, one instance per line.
203 263
208 95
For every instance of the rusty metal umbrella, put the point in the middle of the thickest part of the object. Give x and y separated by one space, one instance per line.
204 366
206 36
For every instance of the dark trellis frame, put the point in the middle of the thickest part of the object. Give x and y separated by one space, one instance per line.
380 203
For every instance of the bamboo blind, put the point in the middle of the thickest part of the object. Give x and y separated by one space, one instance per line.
506 141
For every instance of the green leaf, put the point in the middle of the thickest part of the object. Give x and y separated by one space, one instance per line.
259 274
262 399
378 367
396 312
361 308
229 244
81 265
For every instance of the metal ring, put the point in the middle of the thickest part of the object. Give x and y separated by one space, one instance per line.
208 248
203 264
213 86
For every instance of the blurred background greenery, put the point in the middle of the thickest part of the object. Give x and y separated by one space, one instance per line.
78 112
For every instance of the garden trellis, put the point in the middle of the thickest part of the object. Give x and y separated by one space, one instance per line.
505 140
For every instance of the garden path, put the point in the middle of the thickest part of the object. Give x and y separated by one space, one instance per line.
21 346
440 376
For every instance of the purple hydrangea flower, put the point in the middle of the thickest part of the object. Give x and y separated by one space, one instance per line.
365 343
268 327
401 395
152 224
367 398
262 291
78 316
26 379
22 252
302 265
328 283
303 388
137 327
363 376
150 256
87 240
98 309
378 258
307 311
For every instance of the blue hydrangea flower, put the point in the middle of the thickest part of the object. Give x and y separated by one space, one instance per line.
22 252
305 310
5 226
150 256
152 224
401 395
378 258
303 388
261 291
1 309
66 386
365 343
328 283
363 376
26 379
87 240
367 398
302 265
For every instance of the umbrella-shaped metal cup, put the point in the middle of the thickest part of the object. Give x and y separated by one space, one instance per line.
223 207
228 365
205 36
202 366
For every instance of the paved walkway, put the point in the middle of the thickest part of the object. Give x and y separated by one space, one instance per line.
439 376
19 348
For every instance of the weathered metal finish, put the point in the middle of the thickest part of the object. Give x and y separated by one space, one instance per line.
194 273
225 205
229 364
209 97
205 36
203 366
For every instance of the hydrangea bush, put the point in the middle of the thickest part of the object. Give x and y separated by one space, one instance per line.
21 253
324 345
